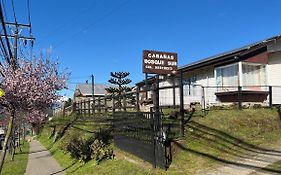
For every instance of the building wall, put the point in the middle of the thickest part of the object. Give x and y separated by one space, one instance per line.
204 77
274 69
274 76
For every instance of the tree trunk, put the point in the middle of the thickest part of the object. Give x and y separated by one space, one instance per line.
13 148
23 125
19 135
8 135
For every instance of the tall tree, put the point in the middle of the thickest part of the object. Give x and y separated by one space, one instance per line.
120 81
30 89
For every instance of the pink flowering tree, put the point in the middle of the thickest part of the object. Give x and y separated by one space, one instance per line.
30 88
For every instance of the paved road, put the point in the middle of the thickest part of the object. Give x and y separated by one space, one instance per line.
40 161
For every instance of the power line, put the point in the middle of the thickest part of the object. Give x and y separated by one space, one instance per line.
4 51
95 22
70 21
13 6
30 29
12 57
5 15
28 11
80 77
5 33
4 10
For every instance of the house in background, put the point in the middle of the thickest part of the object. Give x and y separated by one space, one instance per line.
85 92
215 80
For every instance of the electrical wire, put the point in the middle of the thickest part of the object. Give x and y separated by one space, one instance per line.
30 29
70 21
5 15
5 33
13 6
112 11
24 54
4 51
80 77
28 11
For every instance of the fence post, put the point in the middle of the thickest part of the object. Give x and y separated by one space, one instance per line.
156 118
270 96
99 105
138 98
105 104
84 107
181 104
174 92
89 107
94 106
240 97
203 98
80 107
113 104
124 102
74 106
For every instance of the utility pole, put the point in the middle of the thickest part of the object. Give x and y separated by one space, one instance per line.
93 86
14 59
16 36
93 91
11 59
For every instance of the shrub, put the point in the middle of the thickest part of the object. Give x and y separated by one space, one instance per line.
100 151
88 147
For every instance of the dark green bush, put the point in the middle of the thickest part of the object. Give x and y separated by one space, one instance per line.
101 151
84 148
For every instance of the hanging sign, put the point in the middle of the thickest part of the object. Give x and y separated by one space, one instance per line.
162 63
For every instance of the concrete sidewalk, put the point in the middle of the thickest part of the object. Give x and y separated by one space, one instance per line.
41 162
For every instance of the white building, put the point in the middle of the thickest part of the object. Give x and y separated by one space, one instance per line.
215 80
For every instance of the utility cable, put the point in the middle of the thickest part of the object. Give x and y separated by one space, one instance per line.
13 6
30 29
95 22
5 33
72 20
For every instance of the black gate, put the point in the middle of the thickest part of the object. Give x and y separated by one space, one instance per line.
141 134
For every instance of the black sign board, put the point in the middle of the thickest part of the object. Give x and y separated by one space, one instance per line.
162 63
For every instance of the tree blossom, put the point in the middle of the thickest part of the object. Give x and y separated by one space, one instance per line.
32 87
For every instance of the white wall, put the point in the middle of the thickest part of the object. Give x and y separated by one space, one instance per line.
204 77
274 76
274 69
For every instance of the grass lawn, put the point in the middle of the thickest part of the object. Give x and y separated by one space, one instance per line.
72 166
275 166
220 136
18 166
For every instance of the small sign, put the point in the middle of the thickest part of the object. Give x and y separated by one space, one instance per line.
2 93
162 63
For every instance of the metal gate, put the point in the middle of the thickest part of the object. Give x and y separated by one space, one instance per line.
141 134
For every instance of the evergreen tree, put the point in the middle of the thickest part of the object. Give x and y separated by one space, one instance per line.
120 81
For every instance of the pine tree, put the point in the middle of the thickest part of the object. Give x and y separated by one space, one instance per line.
120 80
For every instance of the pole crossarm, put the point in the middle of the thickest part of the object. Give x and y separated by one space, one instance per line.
17 24
19 37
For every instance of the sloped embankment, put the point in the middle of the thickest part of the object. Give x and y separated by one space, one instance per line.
221 137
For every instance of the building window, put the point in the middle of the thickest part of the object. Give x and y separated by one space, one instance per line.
227 76
254 75
190 86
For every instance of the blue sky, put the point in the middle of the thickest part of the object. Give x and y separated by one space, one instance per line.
100 36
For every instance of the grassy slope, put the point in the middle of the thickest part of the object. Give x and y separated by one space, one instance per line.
221 136
18 166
